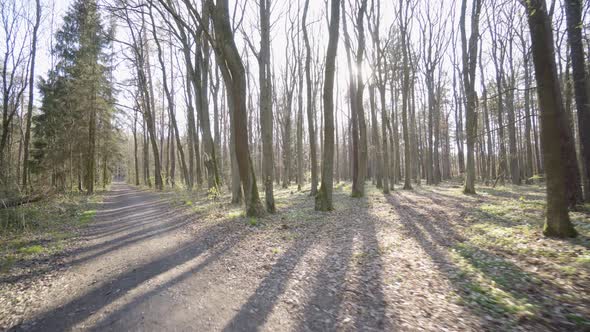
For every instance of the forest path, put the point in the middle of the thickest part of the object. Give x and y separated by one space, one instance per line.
147 266
137 244
405 261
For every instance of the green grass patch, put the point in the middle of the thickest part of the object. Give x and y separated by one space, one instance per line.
236 214
86 217
253 222
31 250
492 284
44 227
578 320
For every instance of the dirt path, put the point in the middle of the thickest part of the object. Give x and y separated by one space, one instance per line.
382 263
135 240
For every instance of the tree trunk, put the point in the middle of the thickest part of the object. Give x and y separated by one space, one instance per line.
469 65
323 200
580 78
266 121
376 143
235 80
310 111
200 80
300 179
405 100
216 125
527 109
135 157
553 120
358 188
170 99
513 150
31 94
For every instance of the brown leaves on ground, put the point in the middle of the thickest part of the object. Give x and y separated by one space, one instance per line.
429 259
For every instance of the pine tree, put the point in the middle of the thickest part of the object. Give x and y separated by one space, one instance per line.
77 103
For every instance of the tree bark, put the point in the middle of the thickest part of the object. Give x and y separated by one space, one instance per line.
405 97
376 142
300 179
323 200
310 111
233 72
358 187
469 65
580 77
553 120
170 99
266 116
31 94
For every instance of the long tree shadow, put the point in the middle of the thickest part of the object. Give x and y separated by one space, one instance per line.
322 303
138 218
148 222
530 214
514 293
260 304
363 290
322 308
146 217
77 310
372 310
123 317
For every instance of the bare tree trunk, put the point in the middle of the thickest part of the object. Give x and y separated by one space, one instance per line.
510 86
146 156
528 166
200 81
31 94
458 123
235 80
469 65
266 116
354 146
358 188
405 95
538 156
150 112
395 142
300 179
236 190
553 120
170 99
216 124
376 142
172 157
437 145
337 147
135 157
581 86
310 111
323 200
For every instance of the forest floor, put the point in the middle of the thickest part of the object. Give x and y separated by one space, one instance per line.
428 259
